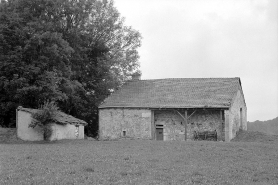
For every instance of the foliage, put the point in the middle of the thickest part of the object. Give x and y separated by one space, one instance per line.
72 52
44 117
47 132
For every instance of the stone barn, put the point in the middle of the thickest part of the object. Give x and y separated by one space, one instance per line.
63 127
174 109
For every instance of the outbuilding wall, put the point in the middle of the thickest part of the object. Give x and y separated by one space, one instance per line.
24 132
237 120
67 131
134 123
27 133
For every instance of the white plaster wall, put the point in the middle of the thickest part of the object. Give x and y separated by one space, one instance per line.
67 131
135 122
23 131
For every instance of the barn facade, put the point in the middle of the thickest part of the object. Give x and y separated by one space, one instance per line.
175 109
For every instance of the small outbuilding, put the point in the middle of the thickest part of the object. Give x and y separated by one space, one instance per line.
175 109
64 126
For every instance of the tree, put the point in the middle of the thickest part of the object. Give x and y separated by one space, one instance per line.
74 52
44 117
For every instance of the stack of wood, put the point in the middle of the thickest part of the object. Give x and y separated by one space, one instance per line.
205 135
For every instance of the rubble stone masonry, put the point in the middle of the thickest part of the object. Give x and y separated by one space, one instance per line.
125 123
173 124
200 121
205 120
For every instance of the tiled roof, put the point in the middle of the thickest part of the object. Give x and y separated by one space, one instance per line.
175 93
61 118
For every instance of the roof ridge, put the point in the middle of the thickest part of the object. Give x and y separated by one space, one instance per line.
185 78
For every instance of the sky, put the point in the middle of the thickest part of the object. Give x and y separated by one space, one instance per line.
209 39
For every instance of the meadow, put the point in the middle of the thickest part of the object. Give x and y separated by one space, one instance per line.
140 162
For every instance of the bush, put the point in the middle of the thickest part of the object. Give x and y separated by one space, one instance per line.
44 117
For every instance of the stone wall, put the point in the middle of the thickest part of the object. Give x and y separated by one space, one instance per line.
125 123
237 120
206 120
173 124
201 120
140 123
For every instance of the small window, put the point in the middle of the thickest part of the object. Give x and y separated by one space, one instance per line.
159 126
124 133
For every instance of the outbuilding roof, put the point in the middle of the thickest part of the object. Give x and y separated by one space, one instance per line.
175 93
61 117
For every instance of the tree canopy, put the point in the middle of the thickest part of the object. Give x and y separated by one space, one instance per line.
73 52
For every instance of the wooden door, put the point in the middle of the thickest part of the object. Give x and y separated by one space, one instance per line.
159 133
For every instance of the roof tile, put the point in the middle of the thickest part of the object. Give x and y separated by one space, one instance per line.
174 93
61 117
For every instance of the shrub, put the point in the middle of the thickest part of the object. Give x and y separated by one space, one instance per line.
44 117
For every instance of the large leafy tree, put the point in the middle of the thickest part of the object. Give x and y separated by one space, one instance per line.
75 52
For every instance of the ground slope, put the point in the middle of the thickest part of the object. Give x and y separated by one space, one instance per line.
249 136
141 162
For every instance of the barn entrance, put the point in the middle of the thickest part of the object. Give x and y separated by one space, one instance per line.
169 125
159 134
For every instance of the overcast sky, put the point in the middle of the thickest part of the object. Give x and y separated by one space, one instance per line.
215 38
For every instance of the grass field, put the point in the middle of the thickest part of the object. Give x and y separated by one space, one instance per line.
140 162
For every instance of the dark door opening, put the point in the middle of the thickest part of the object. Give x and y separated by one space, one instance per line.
159 133
241 126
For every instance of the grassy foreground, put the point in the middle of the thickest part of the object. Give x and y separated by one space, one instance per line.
139 162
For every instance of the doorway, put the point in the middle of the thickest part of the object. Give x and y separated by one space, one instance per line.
159 134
